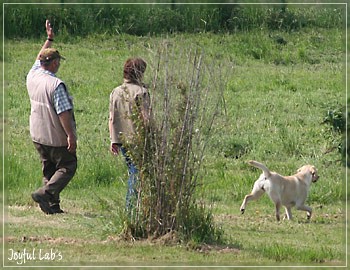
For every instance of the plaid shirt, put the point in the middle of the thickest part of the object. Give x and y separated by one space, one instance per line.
61 100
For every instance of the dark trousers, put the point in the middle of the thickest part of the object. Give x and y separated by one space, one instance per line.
58 166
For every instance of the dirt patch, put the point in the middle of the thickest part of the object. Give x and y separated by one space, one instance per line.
43 239
205 248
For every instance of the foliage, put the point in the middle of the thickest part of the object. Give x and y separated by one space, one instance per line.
336 118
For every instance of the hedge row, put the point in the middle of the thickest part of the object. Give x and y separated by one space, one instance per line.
26 20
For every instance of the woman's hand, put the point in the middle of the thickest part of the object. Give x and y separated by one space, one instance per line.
114 149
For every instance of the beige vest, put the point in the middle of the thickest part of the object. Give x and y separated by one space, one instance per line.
45 126
124 101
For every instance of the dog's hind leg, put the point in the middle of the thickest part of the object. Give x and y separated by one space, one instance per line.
278 207
308 209
256 193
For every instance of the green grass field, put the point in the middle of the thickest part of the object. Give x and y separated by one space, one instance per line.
274 106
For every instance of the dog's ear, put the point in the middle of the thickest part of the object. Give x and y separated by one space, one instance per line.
314 174
313 170
301 169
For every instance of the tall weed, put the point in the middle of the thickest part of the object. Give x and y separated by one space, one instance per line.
170 151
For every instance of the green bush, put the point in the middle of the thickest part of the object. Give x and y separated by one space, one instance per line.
169 151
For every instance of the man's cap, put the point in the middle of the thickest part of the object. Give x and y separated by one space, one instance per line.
49 54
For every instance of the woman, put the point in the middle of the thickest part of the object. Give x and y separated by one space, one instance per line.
127 101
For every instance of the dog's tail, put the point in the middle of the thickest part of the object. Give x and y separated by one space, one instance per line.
261 166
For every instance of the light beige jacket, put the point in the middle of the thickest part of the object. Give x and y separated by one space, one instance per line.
125 100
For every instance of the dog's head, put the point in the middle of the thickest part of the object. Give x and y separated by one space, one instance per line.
311 170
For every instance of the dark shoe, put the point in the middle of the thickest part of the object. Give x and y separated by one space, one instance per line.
43 203
56 209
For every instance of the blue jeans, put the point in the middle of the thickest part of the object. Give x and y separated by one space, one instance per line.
131 193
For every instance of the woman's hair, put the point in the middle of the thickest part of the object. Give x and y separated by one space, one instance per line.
134 68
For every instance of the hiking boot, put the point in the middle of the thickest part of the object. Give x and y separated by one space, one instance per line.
56 209
43 203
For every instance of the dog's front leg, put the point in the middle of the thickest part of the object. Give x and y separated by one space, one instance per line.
243 205
288 213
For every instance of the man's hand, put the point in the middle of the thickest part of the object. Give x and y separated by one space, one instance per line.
50 35
72 144
49 30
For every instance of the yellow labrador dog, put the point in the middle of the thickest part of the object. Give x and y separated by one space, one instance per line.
288 191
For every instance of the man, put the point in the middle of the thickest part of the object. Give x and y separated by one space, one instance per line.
52 126
130 98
